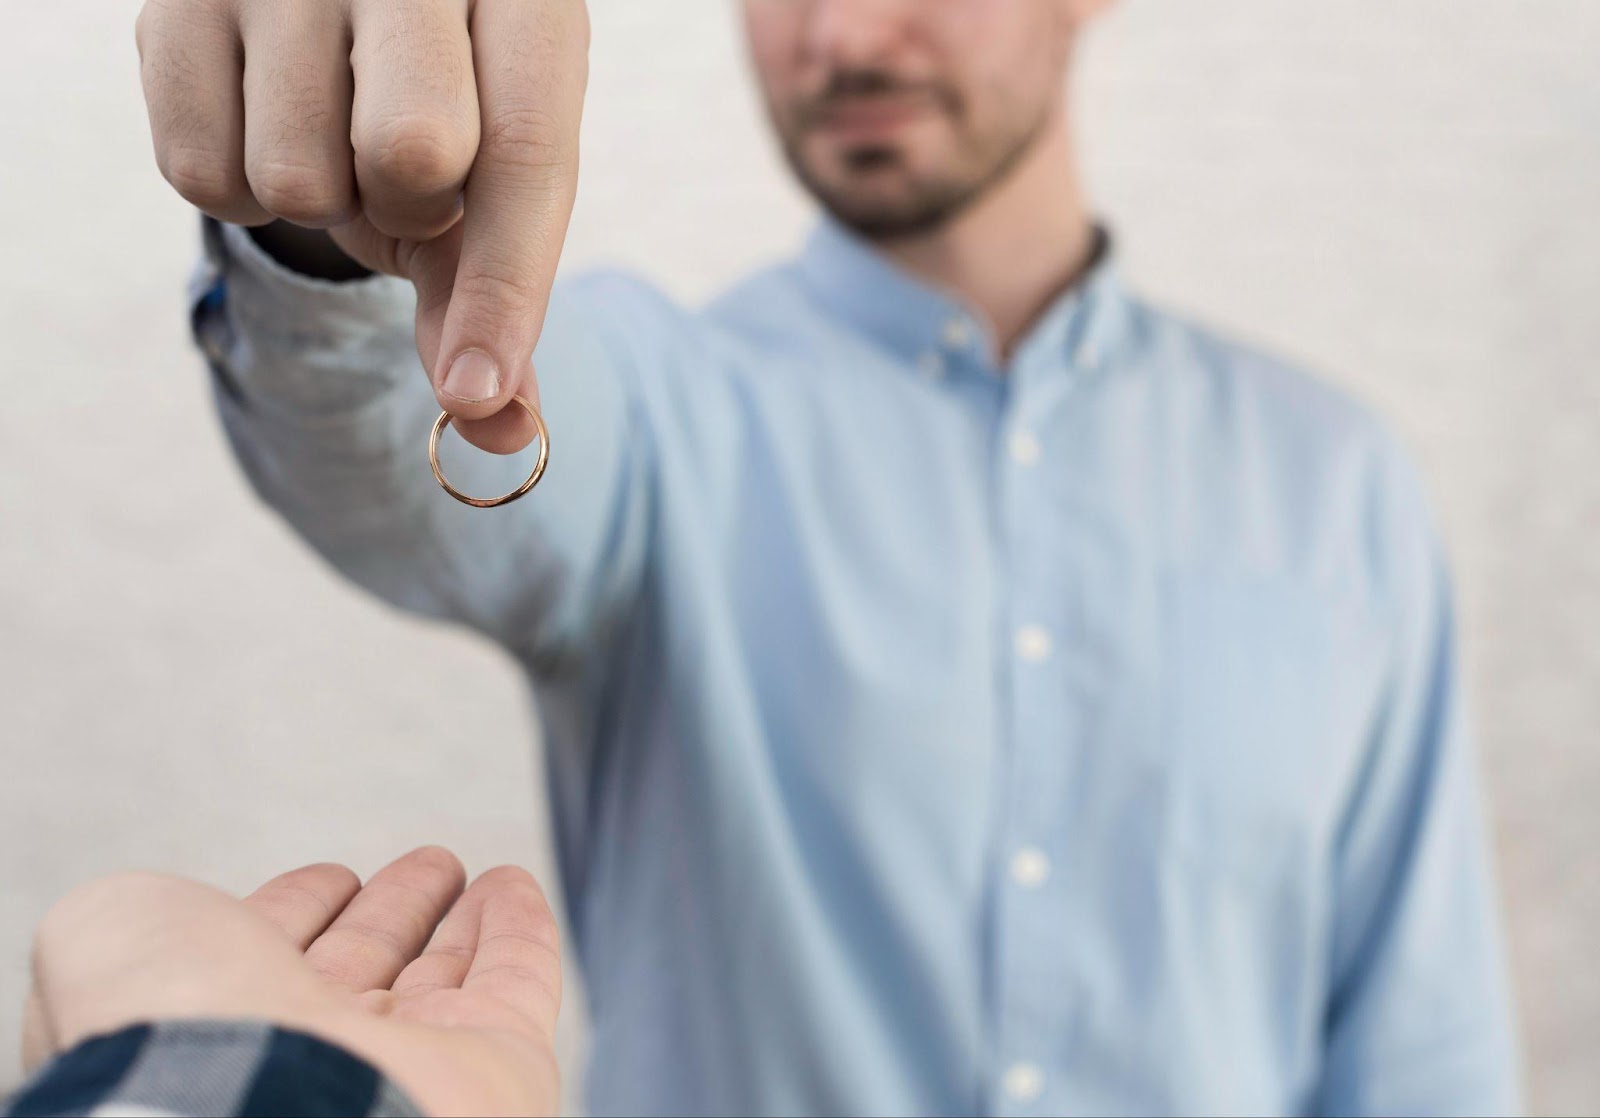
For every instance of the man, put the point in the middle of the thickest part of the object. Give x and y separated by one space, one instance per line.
965 687
314 995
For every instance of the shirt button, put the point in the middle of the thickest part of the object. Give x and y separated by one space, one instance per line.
1088 355
931 366
1033 643
957 334
1023 1082
1025 448
1030 867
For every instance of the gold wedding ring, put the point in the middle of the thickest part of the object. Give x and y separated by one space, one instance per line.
478 502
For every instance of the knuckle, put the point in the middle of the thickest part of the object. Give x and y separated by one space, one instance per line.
346 946
535 927
495 289
399 255
545 980
427 986
295 894
526 138
203 177
419 152
297 191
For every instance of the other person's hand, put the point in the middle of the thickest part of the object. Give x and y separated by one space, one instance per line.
435 140
452 994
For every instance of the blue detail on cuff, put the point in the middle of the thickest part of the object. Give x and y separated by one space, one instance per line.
82 1079
303 1076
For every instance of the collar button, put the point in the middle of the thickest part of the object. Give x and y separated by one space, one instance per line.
957 333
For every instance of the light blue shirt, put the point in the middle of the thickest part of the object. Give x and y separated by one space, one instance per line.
926 736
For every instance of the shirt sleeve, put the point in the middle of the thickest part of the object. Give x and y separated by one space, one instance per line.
182 1068
328 410
1418 1020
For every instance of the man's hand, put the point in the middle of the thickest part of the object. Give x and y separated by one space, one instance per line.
434 139
452 994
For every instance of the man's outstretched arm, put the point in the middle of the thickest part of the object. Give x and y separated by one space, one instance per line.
328 413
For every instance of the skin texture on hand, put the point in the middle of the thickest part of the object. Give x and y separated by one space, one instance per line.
436 140
453 993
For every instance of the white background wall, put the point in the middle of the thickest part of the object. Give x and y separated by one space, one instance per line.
1401 192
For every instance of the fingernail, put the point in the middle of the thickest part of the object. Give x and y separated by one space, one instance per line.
472 377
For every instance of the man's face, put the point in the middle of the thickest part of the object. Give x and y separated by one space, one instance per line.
897 113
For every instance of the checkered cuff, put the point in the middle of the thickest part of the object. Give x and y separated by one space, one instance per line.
179 1068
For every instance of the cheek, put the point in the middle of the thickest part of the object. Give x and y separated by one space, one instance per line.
772 32
1003 56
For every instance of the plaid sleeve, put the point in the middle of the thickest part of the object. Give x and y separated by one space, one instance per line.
180 1068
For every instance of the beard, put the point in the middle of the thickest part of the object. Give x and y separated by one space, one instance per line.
921 202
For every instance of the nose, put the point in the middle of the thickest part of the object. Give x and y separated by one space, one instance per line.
849 33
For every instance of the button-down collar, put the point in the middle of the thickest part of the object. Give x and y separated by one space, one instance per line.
915 319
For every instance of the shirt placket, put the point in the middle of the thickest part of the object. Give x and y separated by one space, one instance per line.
1032 957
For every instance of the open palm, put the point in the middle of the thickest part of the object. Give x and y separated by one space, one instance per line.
452 992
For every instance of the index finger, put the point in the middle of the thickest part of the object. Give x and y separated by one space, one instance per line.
303 902
531 61
518 957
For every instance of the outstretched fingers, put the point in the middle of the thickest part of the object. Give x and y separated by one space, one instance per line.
386 924
444 963
303 902
518 956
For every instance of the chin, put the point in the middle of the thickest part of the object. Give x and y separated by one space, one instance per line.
873 175
880 217
879 190
853 195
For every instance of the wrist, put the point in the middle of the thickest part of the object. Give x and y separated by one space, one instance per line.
141 947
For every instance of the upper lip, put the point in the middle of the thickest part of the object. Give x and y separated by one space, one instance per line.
867 108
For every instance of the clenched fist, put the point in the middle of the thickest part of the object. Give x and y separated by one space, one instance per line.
435 140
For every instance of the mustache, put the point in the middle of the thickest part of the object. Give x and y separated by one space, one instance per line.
846 86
